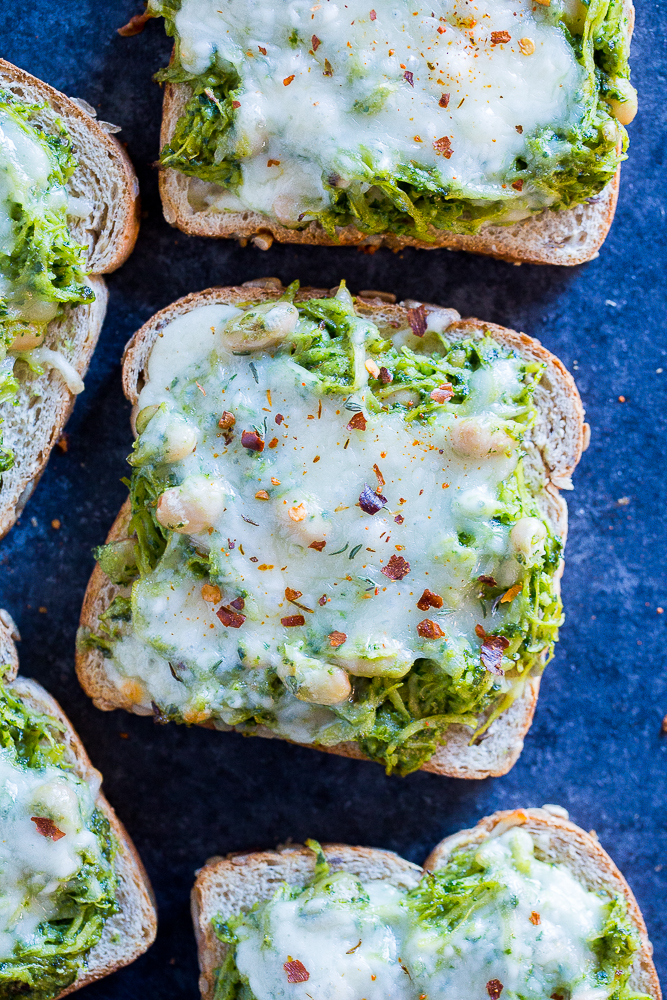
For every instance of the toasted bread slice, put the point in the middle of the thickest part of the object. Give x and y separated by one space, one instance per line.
568 237
106 180
554 448
130 931
231 885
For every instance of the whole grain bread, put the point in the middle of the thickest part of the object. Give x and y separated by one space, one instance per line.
108 187
130 931
554 446
232 885
567 237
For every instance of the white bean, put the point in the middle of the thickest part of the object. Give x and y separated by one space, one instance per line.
261 327
624 111
194 506
527 535
478 439
313 680
180 439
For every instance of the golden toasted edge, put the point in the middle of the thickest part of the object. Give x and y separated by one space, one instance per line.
581 853
68 109
501 746
137 920
233 884
569 237
18 485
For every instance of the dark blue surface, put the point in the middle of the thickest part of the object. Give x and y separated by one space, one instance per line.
596 744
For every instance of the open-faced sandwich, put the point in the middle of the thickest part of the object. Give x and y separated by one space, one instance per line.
344 527
75 901
524 906
496 126
68 214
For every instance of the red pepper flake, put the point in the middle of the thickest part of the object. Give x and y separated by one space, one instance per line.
322 600
226 421
262 49
429 630
238 604
328 68
380 478
296 971
517 185
409 77
279 418
315 42
273 163
396 568
252 441
444 100
493 647
534 918
510 594
370 501
385 376
288 80
488 580
135 25
429 600
399 519
557 996
444 146
273 443
292 621
236 104
229 618
417 321
519 129
357 423
498 38
253 559
373 15
337 639
47 828
443 393
262 495
318 546
494 988
292 595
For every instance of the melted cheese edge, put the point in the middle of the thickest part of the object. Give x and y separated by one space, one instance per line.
178 652
355 950
369 85
33 867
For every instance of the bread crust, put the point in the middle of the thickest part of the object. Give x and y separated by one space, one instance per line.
136 922
233 884
106 179
559 441
567 237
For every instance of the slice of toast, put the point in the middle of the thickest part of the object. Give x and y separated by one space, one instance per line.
106 180
231 885
554 447
567 237
131 931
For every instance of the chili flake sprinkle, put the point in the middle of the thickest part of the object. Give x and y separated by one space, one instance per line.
252 441
429 630
357 423
444 146
293 621
337 639
500 37
396 568
370 501
429 600
229 618
296 971
494 988
315 42
47 828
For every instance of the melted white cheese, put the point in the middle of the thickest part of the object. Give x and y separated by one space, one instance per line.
304 488
296 125
533 938
34 867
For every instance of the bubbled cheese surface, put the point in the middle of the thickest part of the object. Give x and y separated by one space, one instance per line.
34 867
355 82
291 521
532 936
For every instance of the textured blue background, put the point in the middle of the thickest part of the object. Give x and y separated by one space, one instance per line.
595 746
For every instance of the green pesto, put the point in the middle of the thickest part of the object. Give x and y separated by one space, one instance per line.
42 970
43 262
570 164
398 723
